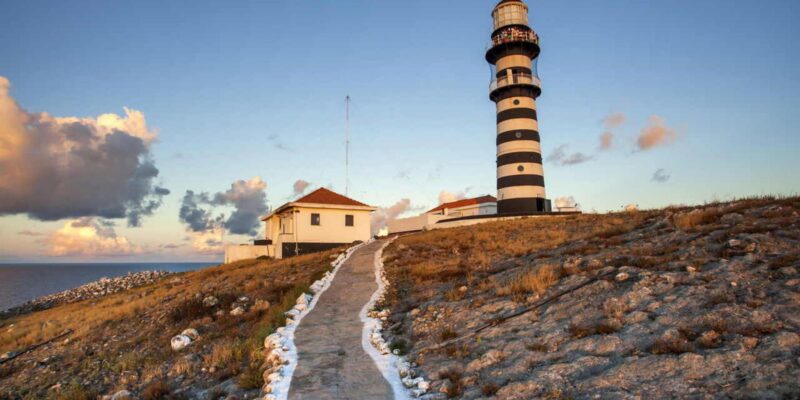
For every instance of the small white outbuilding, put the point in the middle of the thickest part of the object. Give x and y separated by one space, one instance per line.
318 221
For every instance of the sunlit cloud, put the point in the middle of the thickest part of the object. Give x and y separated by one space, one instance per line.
449 197
300 187
53 168
89 237
208 242
383 215
655 134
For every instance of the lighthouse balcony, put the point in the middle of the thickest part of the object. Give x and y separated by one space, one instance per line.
514 79
514 34
526 43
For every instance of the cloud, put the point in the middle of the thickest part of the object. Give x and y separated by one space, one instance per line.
198 219
53 168
610 123
448 197
655 134
382 216
614 120
300 187
89 237
208 242
249 202
606 140
559 156
565 201
661 176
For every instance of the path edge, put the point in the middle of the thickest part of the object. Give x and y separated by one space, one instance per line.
376 347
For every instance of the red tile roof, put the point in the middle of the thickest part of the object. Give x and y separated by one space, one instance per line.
325 196
464 202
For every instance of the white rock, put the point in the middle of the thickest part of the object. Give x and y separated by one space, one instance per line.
191 333
178 342
274 377
210 301
300 307
272 341
622 277
424 386
237 311
303 299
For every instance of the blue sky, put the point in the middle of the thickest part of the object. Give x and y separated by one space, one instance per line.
244 89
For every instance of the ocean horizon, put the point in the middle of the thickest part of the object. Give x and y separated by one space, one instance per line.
22 282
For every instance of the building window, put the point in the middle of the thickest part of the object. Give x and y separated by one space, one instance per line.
314 219
520 168
348 220
518 135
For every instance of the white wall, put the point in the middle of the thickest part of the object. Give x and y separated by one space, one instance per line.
235 253
418 223
332 228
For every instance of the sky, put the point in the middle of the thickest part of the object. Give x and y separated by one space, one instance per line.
237 102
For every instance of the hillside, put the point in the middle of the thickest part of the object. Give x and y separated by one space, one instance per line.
122 341
700 302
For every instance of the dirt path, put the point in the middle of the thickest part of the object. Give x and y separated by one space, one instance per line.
332 363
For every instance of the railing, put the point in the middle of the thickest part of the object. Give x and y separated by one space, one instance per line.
514 36
514 79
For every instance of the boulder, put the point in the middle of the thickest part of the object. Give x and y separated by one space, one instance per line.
179 342
210 301
191 333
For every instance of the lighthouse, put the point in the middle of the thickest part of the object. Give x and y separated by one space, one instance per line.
512 53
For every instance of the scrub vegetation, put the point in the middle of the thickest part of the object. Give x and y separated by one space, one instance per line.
669 302
122 341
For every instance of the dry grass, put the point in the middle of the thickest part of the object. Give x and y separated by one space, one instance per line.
489 389
455 387
447 333
536 281
76 391
156 390
142 320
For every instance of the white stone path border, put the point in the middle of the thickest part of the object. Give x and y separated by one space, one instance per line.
395 369
281 343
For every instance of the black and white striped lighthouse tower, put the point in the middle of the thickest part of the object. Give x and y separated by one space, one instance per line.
514 88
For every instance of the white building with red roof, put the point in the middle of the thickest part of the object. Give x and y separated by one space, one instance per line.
459 209
318 221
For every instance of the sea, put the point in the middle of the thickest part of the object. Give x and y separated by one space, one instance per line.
20 283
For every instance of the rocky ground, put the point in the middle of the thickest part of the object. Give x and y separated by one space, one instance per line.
697 302
92 290
193 335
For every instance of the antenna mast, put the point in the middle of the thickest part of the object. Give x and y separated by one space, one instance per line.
346 145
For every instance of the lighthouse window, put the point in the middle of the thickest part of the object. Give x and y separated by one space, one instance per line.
516 102
520 168
518 135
